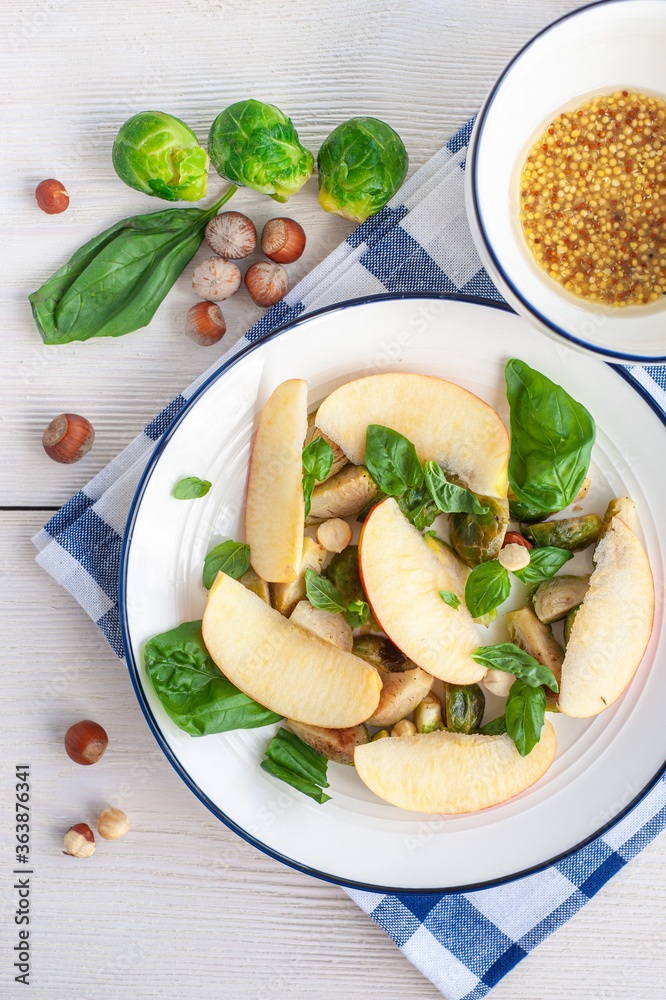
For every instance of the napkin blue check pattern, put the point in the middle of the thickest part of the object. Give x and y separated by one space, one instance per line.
463 942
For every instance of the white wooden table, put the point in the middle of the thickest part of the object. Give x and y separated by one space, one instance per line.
181 906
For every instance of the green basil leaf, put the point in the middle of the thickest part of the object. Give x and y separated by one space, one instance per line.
418 507
191 489
551 439
450 498
543 564
525 713
357 613
308 488
495 728
488 586
450 598
232 558
115 283
193 691
321 593
291 752
514 660
317 459
291 778
392 460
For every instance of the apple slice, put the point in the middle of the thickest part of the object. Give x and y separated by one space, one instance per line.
283 667
444 772
402 578
445 422
275 508
612 627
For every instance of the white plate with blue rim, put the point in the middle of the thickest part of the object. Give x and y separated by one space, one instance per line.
603 765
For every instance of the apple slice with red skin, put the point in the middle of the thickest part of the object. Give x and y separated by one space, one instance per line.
444 772
283 667
446 424
612 627
275 508
402 578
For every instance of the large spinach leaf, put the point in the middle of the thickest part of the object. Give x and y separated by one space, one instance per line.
193 690
551 440
115 283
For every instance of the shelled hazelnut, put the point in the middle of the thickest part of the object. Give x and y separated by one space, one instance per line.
283 240
68 438
112 824
231 235
216 279
204 324
515 538
86 741
52 197
79 841
266 282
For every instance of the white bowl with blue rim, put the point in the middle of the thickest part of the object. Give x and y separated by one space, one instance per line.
598 49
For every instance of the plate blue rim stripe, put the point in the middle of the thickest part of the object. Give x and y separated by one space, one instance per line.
134 668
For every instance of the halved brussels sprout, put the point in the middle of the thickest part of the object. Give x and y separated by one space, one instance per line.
428 714
159 155
343 495
334 744
568 623
465 705
381 652
622 507
553 599
400 695
478 538
255 145
361 165
258 586
572 533
538 640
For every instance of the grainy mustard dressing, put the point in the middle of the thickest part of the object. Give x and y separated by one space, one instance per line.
593 199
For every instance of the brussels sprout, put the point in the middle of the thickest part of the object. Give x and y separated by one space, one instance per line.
572 533
621 507
256 146
478 538
428 714
256 585
537 639
343 573
381 734
159 155
343 495
568 623
381 652
465 705
334 744
361 165
553 599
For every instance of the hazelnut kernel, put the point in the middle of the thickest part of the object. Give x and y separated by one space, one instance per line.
68 438
266 282
85 742
515 538
513 557
403 728
283 240
79 841
231 235
205 324
334 534
52 197
216 279
112 823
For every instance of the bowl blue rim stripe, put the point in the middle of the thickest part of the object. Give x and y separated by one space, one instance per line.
133 667
472 165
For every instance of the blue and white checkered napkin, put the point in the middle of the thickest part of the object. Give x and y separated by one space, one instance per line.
464 942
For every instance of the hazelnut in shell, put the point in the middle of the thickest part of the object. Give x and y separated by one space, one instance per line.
216 279
205 324
112 824
283 240
86 741
231 235
266 282
52 197
79 841
68 438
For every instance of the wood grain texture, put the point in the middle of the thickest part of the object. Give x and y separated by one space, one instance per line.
181 906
